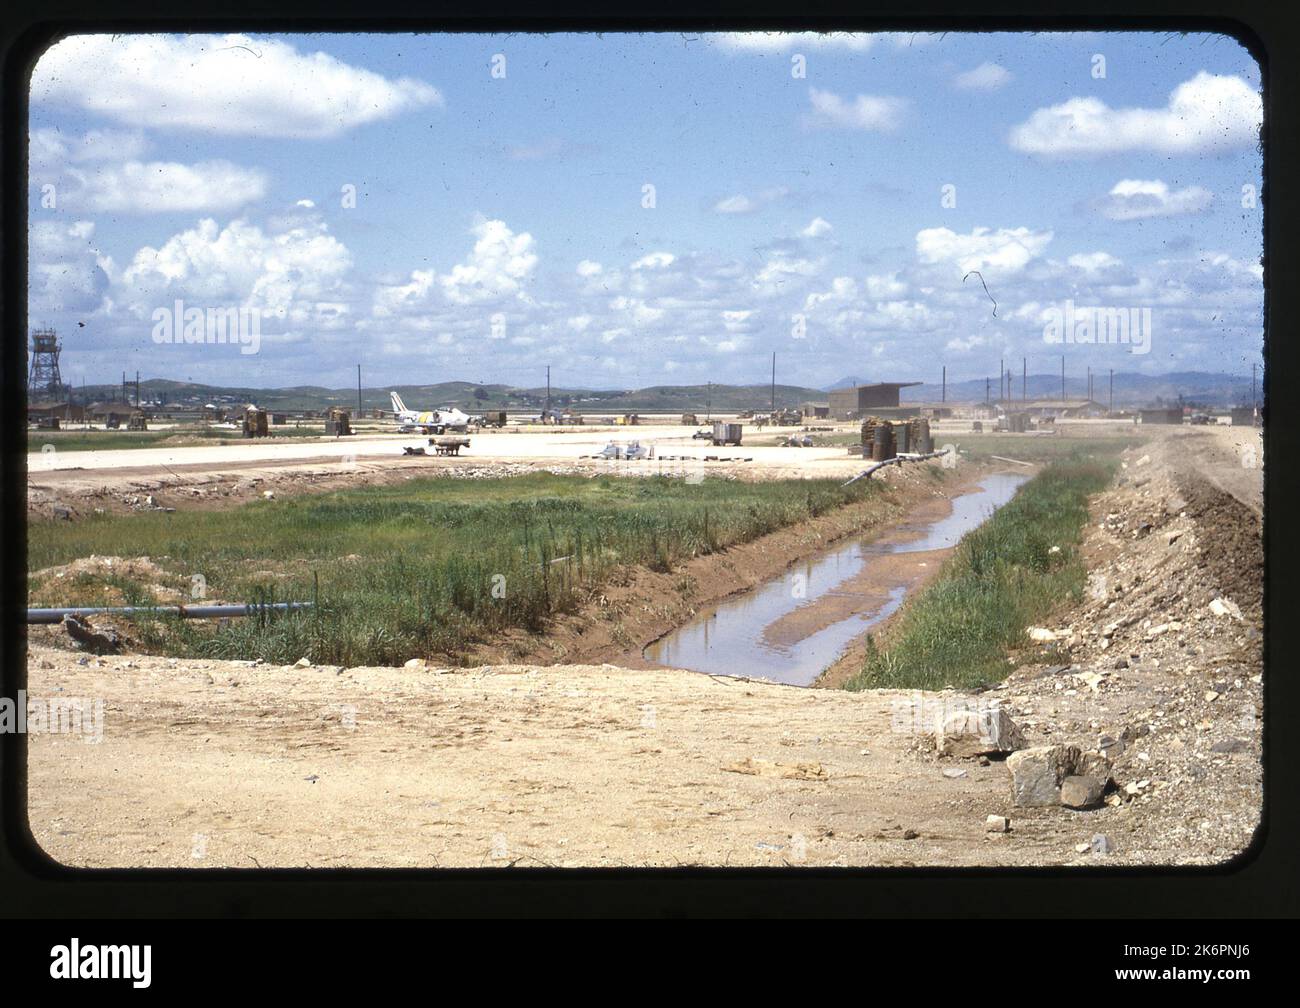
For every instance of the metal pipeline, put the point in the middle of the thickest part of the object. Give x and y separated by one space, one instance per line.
184 612
896 460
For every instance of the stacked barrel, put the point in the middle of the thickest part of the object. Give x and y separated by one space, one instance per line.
869 425
919 439
882 442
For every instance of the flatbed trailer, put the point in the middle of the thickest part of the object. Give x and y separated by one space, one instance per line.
448 444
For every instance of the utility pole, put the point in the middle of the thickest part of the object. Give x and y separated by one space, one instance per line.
708 402
986 391
773 381
137 390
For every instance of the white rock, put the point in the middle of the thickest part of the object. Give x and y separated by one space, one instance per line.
1225 607
977 731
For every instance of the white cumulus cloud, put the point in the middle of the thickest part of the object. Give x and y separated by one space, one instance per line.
865 112
743 204
67 272
1204 113
166 187
1138 199
985 77
231 84
1006 249
285 274
655 261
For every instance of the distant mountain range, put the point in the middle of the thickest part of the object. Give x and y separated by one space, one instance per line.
1196 388
466 395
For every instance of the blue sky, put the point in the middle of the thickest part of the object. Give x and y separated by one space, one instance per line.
501 220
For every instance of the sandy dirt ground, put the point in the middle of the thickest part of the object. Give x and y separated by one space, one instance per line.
218 763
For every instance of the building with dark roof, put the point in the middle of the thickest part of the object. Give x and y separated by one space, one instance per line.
860 400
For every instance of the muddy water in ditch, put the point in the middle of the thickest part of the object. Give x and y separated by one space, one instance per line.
793 627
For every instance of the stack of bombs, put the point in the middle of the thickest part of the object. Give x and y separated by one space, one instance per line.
885 439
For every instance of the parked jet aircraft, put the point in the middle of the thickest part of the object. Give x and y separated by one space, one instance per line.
437 421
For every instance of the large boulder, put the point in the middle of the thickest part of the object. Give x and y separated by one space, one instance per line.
977 731
1082 792
1094 764
1058 775
1037 773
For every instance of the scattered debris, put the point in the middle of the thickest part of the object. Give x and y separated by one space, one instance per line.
98 641
767 768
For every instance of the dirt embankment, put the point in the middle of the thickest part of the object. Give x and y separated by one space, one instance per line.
1161 664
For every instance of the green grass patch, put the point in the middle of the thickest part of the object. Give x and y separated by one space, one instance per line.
105 440
1036 448
1001 578
410 570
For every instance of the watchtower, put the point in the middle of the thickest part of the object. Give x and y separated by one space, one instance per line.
44 380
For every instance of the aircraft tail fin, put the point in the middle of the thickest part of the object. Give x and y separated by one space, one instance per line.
398 405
